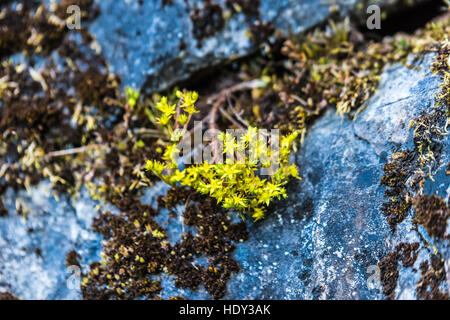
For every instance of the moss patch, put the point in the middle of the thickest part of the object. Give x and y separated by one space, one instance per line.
138 249
433 275
7 296
406 173
404 252
432 212
207 20
71 124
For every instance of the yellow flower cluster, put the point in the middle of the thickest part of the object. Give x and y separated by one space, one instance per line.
237 185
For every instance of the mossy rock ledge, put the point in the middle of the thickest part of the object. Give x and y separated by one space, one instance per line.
368 219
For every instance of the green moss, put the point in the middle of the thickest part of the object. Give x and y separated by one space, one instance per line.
332 66
429 129
406 173
73 126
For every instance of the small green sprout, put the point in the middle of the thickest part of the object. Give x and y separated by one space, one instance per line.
132 96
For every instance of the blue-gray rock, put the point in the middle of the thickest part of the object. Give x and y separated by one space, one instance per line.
152 44
326 240
33 250
323 242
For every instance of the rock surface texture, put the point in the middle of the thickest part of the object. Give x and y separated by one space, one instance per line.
154 44
324 242
33 251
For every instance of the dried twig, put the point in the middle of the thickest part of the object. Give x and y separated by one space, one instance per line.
154 133
238 116
248 85
212 125
61 153
227 115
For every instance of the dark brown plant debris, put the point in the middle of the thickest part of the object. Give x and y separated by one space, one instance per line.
69 122
248 7
137 249
33 28
65 121
3 210
404 252
407 171
7 296
211 17
72 258
261 32
432 212
433 276
396 174
207 20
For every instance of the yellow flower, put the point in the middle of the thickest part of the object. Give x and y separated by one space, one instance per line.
157 234
258 213
182 119
214 185
239 201
177 176
234 185
229 171
170 152
165 108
